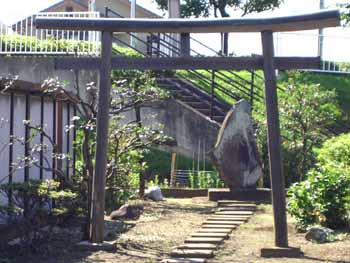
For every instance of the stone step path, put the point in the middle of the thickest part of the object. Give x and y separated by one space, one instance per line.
213 232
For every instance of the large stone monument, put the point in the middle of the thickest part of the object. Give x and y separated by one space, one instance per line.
235 154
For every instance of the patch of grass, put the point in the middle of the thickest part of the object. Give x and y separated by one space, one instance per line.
339 83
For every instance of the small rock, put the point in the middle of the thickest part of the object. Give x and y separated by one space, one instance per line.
127 211
154 193
56 230
319 234
112 229
14 242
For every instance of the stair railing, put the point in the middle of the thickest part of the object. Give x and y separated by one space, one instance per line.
177 51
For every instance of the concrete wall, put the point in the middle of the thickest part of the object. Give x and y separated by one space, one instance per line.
38 69
189 128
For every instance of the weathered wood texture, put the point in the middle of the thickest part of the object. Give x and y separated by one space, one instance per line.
274 142
185 44
278 24
99 179
215 63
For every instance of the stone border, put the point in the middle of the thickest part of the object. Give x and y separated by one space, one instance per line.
184 193
259 195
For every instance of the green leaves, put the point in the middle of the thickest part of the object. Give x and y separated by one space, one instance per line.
324 197
306 111
202 8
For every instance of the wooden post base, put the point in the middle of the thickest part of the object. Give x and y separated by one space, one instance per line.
281 252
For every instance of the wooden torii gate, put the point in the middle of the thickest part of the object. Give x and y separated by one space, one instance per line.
268 63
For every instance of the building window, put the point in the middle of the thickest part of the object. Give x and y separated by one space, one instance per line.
69 9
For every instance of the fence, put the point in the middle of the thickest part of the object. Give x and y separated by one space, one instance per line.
17 141
24 38
184 177
334 57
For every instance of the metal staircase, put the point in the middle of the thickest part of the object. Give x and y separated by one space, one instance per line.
185 87
206 96
195 98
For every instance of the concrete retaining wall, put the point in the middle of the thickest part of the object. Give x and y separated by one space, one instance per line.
193 132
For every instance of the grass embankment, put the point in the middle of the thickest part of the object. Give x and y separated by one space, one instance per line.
340 83
224 80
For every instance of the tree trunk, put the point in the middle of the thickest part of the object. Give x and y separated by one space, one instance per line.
304 160
88 172
142 178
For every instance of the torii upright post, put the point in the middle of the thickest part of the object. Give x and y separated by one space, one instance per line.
273 127
99 179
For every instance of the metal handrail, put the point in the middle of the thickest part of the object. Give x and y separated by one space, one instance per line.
176 50
251 84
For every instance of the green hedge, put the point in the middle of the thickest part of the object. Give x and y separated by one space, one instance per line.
324 198
33 44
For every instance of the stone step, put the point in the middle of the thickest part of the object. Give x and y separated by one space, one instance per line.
219 226
184 260
215 230
187 98
211 240
223 222
244 217
198 104
222 218
229 208
192 253
198 246
236 213
225 202
237 205
223 235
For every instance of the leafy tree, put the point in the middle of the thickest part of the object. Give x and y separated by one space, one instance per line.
346 16
198 8
306 112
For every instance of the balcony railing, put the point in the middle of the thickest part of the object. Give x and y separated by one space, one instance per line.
24 38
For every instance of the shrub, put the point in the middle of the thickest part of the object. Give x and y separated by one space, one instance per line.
324 197
335 151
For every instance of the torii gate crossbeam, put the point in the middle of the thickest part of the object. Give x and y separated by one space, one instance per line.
266 26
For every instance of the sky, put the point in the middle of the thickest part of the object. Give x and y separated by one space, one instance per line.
337 40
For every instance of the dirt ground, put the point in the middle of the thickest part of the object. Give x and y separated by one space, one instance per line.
245 243
167 224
